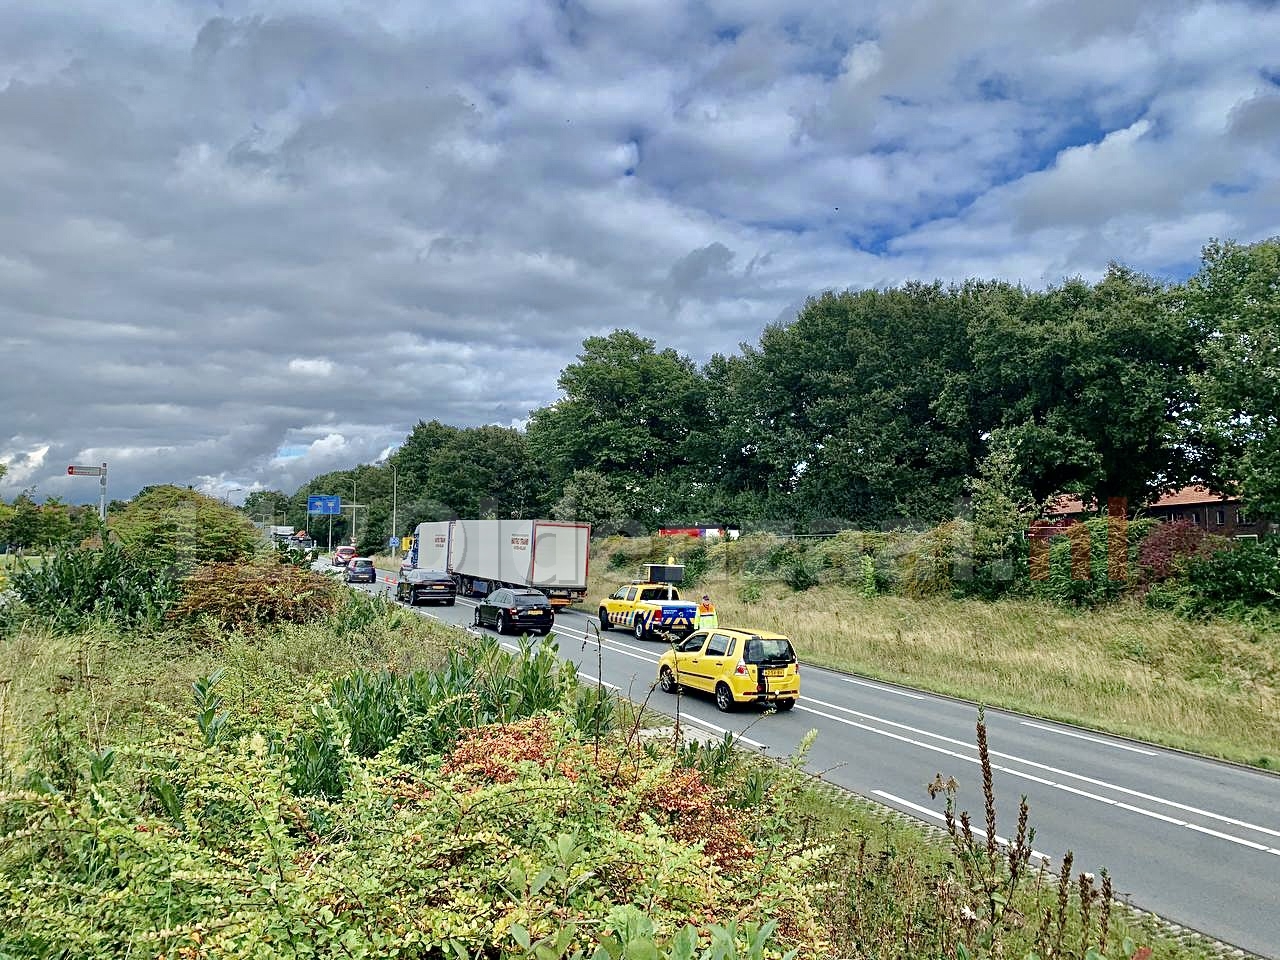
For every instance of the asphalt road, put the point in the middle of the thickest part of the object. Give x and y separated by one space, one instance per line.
1193 840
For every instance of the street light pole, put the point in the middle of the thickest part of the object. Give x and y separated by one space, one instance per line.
395 478
353 511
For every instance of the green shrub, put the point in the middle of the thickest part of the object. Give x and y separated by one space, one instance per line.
1063 587
172 525
1234 582
72 586
252 596
937 560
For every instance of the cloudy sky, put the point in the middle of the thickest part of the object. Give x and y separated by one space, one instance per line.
242 243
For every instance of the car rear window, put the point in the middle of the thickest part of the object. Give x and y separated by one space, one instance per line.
658 593
362 564
760 650
530 600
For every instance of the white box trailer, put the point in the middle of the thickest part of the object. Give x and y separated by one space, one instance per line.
431 546
547 555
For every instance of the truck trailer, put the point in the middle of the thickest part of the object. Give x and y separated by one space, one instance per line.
482 555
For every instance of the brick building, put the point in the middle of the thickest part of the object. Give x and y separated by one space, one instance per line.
1219 514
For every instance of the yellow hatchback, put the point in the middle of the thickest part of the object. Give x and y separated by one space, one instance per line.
737 666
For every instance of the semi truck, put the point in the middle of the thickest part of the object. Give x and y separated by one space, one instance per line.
482 555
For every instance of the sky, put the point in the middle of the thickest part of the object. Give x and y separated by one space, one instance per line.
245 243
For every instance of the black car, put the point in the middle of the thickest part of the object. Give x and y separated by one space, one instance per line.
426 586
361 570
525 611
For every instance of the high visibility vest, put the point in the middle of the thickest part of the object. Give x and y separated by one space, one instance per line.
707 619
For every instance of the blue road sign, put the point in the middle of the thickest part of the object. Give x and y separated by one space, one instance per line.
393 543
325 505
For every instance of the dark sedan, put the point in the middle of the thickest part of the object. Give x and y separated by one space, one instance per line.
523 611
426 586
361 570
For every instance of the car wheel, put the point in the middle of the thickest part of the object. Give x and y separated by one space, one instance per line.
603 616
785 705
724 698
501 623
450 602
640 631
667 680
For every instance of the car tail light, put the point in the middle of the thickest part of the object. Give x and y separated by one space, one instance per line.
740 669
657 616
512 610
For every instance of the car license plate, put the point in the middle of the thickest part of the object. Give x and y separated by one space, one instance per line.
776 673
438 586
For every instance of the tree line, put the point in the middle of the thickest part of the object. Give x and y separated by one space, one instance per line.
878 407
869 408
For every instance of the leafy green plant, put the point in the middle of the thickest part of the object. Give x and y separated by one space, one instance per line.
211 719
74 585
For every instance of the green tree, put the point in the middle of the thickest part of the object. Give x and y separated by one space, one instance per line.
857 409
1091 384
629 411
24 528
171 525
56 527
1002 507
590 498
267 506
1233 302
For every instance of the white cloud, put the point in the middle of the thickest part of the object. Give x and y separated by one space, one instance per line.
249 247
311 367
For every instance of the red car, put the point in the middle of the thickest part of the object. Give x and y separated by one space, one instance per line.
342 556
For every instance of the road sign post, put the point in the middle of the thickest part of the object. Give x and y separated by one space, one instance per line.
326 505
80 470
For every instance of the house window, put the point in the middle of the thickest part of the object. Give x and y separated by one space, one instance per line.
1220 518
1195 517
1241 519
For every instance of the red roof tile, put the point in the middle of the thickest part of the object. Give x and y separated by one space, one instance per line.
1194 495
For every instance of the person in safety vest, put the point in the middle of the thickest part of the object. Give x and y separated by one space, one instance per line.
707 619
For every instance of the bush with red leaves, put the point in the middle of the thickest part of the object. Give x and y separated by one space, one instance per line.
1168 547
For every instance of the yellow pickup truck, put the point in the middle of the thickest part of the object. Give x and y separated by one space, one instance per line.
648 610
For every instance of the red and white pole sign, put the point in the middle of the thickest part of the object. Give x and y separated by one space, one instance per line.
79 470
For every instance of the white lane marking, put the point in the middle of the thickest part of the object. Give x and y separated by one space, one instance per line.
589 678
937 816
1085 736
1227 836
866 683
687 718
1018 773
1013 758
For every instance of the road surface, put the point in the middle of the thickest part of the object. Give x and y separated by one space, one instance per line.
1193 840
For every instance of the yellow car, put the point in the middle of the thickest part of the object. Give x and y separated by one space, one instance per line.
737 666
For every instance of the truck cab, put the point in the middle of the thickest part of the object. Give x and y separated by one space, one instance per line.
648 610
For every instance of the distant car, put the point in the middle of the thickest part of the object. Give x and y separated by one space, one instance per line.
426 586
342 556
736 666
361 570
507 610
